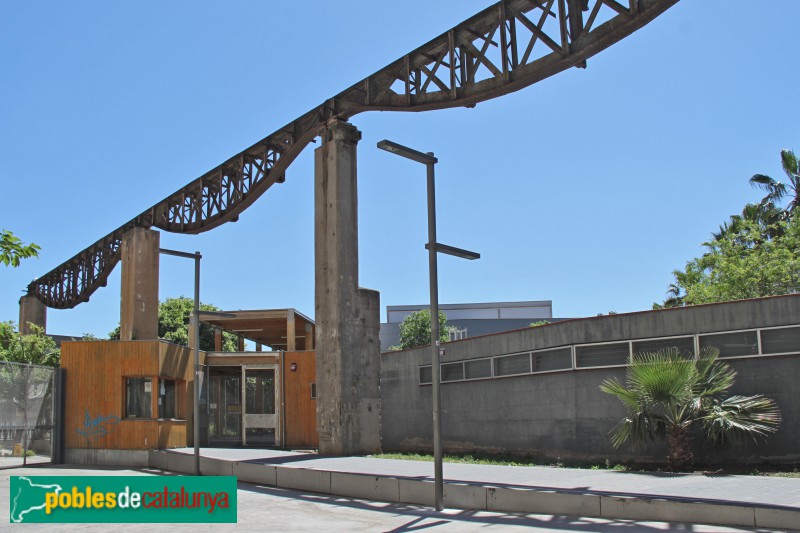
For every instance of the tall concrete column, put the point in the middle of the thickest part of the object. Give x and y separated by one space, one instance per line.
31 311
347 316
139 300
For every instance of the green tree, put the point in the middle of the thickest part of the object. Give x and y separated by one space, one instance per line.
13 250
776 190
539 323
747 264
173 325
35 348
415 330
763 214
666 394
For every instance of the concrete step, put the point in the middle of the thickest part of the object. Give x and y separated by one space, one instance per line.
488 496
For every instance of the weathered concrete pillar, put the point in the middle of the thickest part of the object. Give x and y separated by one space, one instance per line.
347 317
139 301
31 311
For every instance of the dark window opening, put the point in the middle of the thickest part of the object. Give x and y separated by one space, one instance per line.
138 398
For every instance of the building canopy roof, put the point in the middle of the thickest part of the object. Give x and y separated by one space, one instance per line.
280 329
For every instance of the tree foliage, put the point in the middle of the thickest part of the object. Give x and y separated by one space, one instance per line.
415 330
666 394
13 250
776 190
35 348
173 325
754 254
748 264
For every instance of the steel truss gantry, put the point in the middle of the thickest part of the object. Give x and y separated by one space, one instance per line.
502 49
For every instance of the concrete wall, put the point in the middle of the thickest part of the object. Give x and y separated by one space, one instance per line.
564 414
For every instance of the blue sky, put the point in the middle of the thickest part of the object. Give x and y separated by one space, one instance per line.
587 189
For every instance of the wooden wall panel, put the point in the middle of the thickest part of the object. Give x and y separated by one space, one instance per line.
95 393
300 409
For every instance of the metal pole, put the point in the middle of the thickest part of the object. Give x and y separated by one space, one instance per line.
437 398
197 371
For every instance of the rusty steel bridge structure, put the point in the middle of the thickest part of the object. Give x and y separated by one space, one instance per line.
504 48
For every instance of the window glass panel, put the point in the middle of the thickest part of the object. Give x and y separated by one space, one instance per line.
480 368
425 375
560 359
259 392
602 355
166 398
453 371
732 344
138 398
783 340
512 364
684 344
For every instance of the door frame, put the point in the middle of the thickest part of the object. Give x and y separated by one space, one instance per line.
278 412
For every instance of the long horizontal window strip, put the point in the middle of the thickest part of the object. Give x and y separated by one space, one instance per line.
738 344
774 341
782 340
478 369
453 372
684 345
510 365
550 360
602 355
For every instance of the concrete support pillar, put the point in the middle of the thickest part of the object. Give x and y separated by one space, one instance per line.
347 317
31 311
139 301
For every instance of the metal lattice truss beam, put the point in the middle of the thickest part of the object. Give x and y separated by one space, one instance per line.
508 46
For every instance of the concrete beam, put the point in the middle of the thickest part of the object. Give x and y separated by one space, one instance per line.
31 311
139 300
347 316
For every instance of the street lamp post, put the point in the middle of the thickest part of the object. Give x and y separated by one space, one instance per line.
433 247
196 334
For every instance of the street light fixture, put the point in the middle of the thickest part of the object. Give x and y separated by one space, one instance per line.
196 334
433 247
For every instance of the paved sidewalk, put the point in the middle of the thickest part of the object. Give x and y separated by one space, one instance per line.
732 489
273 509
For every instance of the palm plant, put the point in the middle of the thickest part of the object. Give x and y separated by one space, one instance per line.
667 394
776 190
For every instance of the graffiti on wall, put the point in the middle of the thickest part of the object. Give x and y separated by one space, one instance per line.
96 427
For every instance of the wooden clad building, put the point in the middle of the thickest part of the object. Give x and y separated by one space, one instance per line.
126 397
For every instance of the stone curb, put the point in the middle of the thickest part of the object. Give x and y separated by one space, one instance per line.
471 496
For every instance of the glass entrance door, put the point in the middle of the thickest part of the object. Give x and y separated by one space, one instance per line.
262 408
225 406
